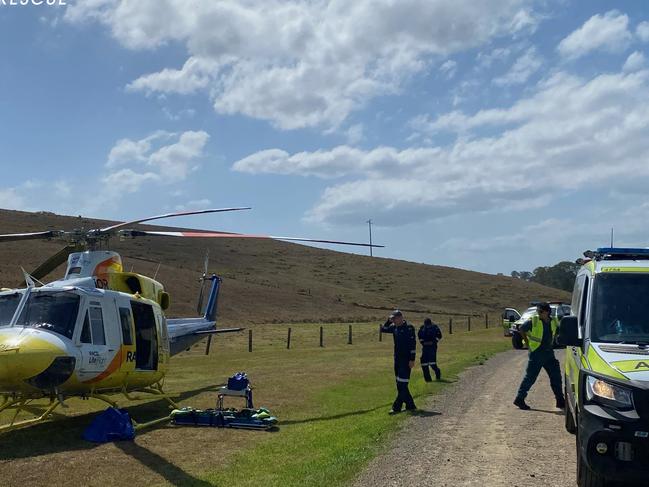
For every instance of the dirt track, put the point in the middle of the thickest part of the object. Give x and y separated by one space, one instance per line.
474 435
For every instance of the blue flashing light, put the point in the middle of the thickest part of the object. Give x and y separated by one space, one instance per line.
623 251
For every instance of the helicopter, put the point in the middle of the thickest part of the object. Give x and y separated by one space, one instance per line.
98 330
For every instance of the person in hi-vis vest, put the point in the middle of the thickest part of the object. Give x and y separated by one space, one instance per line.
539 332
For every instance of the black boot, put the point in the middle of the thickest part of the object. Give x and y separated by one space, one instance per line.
426 372
520 402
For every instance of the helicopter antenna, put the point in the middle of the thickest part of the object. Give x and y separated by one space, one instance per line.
29 280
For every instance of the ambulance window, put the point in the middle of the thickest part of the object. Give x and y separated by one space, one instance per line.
576 293
125 319
584 301
97 326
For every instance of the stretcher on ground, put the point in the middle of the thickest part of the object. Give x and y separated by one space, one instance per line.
246 418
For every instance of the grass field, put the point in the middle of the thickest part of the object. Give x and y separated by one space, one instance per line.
332 403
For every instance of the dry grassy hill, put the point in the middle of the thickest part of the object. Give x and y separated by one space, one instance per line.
269 281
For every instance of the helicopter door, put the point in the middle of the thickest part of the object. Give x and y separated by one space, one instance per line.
146 336
94 349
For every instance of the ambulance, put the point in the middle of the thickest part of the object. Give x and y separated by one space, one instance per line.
607 367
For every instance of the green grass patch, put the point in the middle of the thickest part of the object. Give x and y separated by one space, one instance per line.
344 426
332 403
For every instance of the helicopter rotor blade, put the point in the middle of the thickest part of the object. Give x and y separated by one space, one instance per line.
142 233
170 215
54 261
30 236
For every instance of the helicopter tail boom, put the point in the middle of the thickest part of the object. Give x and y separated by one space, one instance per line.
184 332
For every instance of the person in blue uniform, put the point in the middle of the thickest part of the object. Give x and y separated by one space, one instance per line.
405 344
429 334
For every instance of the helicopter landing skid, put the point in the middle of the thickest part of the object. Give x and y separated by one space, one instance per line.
156 390
20 405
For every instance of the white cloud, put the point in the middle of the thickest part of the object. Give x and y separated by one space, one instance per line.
355 134
448 68
524 67
13 198
272 59
642 31
129 151
193 76
485 60
127 180
608 32
168 163
173 162
569 134
634 62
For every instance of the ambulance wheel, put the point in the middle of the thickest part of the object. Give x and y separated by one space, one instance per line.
571 427
517 341
585 476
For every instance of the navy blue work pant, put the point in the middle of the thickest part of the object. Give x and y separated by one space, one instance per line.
428 361
541 359
402 375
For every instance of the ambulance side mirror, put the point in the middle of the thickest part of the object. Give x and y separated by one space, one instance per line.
568 332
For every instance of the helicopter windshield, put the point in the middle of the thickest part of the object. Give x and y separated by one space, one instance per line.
620 303
53 311
8 305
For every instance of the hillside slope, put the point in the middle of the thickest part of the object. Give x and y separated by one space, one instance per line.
270 281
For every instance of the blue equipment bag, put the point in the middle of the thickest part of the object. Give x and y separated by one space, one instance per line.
238 381
111 425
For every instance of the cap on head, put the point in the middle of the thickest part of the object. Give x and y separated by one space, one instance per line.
428 322
396 312
543 306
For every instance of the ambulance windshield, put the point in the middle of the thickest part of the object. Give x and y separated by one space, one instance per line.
620 308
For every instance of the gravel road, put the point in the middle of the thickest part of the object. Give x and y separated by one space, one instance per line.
472 434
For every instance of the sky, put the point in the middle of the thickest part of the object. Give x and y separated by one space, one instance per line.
493 136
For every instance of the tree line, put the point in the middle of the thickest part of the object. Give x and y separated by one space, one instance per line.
560 276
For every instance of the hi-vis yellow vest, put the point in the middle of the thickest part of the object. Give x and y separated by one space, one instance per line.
535 335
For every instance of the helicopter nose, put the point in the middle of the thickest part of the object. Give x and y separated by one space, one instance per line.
28 362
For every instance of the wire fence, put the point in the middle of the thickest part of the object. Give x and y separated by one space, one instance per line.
293 336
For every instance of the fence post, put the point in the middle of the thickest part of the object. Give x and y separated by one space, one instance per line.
486 320
349 336
469 325
250 340
380 334
321 337
288 339
450 326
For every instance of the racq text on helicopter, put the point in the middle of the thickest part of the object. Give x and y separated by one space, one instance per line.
98 329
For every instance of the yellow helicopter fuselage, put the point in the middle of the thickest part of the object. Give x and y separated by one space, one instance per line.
76 339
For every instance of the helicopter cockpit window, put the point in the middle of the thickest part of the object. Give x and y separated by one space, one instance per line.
8 305
93 327
52 311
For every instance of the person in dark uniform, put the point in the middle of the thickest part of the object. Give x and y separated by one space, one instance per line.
540 331
429 334
405 345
